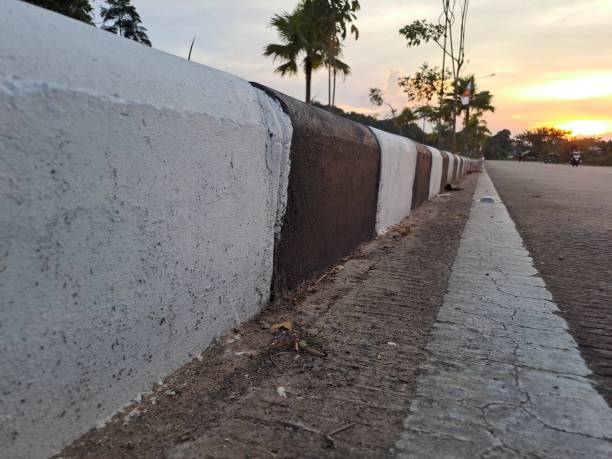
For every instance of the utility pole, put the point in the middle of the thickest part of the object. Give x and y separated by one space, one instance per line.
466 98
446 7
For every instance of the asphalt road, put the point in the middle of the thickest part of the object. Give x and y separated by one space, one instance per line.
564 215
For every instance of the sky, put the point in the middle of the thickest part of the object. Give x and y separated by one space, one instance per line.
552 59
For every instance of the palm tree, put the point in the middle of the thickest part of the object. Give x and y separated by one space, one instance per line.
314 30
335 66
480 103
125 21
337 14
299 36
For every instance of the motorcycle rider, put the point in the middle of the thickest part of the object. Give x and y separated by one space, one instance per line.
574 157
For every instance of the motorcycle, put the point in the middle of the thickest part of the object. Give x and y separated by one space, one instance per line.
575 160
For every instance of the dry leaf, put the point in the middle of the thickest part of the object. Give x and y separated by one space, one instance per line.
287 325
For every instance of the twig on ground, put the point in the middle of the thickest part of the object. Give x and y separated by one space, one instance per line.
341 429
320 279
326 436
299 425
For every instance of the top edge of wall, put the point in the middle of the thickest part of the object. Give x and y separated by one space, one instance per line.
390 135
78 57
320 120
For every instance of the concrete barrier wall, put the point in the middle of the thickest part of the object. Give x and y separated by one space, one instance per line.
435 179
139 197
397 172
147 204
332 194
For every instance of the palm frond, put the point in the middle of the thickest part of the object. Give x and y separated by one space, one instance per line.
277 51
288 68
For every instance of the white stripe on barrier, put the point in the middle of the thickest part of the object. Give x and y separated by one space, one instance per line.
398 168
435 179
451 167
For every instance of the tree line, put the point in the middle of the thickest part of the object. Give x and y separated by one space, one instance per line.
548 144
118 16
312 35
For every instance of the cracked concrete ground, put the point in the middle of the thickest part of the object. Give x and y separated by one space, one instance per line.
504 377
564 215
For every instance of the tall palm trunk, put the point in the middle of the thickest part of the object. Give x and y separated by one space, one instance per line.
329 97
308 72
334 87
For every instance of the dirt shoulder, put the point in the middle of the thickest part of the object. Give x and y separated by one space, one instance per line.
361 332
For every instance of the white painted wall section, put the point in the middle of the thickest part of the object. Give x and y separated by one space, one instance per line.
435 179
451 167
398 168
139 196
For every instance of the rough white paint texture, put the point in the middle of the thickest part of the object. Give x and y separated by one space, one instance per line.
398 167
435 179
451 167
138 203
278 155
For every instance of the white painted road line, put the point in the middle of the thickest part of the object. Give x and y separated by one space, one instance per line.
504 377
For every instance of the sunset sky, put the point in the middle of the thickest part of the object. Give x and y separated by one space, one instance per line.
552 58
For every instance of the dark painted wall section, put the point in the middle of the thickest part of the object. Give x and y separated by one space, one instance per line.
332 195
420 192
445 178
455 166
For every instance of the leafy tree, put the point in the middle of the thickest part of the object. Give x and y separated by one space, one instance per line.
80 10
474 136
423 85
421 88
499 145
402 127
124 20
377 99
405 121
449 35
543 140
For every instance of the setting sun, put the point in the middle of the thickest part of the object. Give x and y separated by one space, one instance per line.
587 127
